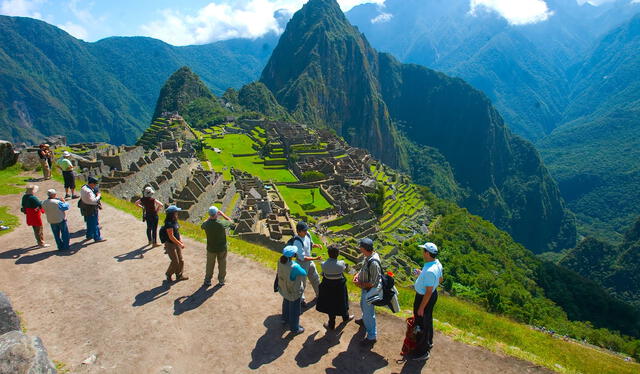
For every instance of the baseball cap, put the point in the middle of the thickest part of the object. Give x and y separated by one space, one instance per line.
51 192
173 208
91 180
289 251
148 191
429 247
302 226
66 154
367 244
213 210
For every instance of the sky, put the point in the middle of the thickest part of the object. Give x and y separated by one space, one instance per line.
188 22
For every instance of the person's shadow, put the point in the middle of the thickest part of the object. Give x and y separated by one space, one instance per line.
187 303
272 344
313 350
413 367
32 259
153 294
14 254
136 254
357 359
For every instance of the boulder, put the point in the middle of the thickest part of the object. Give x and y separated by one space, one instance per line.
8 155
9 321
22 354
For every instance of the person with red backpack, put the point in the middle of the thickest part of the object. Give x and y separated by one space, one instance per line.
426 286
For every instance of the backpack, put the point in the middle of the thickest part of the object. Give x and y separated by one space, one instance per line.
162 234
292 241
388 287
410 339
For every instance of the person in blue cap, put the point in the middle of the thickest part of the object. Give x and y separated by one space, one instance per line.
216 229
174 245
291 286
426 297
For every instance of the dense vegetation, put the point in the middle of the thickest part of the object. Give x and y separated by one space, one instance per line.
614 267
52 83
324 71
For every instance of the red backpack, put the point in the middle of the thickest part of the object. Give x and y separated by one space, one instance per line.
410 339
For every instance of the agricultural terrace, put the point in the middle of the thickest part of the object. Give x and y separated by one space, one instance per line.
301 202
246 158
401 201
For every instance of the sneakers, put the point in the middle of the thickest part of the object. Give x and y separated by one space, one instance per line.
300 331
169 280
221 283
423 357
329 325
67 196
348 318
207 283
100 240
368 343
181 278
75 196
44 245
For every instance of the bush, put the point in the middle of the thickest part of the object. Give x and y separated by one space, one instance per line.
312 176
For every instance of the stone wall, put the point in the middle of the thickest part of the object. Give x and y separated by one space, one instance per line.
201 191
123 160
263 241
8 157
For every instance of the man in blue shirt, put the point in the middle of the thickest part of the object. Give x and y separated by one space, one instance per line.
426 296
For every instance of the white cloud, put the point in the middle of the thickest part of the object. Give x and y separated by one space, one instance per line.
382 18
75 30
516 12
22 8
226 19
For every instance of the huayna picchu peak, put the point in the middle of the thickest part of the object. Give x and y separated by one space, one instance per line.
326 74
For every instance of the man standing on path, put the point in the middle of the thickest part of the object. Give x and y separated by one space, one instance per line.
89 206
45 160
32 207
368 278
303 242
426 297
67 167
216 230
55 209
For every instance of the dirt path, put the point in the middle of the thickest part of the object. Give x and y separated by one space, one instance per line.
108 299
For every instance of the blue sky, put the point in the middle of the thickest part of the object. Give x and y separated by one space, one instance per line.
187 22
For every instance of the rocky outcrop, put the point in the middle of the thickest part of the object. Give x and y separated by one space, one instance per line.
20 353
8 156
8 319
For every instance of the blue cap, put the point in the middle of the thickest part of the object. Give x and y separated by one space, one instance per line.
302 226
173 208
289 251
213 211
429 247
367 244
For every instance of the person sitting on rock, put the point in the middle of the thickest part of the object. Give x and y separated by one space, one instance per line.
32 208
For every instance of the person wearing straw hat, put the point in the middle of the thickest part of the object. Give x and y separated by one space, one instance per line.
291 283
55 209
216 230
32 208
150 208
65 164
426 297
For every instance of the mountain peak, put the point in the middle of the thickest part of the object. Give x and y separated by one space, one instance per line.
182 87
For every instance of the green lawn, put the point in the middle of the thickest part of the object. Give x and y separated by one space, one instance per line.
242 144
7 219
300 202
10 181
346 226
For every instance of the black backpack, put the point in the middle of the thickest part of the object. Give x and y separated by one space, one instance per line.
292 241
164 237
387 286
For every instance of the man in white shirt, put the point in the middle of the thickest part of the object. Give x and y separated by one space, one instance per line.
430 277
89 206
303 242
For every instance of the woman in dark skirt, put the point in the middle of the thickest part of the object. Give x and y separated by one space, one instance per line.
333 298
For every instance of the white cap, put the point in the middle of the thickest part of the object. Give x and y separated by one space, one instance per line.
429 247
148 191
51 192
66 154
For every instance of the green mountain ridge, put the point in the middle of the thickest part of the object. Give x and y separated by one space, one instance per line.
326 74
52 83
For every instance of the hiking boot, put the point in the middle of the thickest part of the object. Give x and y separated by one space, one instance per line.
100 240
207 283
67 196
329 325
423 357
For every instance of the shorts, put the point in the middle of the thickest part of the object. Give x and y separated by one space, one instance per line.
69 180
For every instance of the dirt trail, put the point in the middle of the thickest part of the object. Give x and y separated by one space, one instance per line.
108 299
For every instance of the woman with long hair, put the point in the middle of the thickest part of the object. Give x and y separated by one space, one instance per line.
174 246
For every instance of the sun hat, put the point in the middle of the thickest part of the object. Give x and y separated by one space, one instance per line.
148 191
173 208
429 247
32 188
289 251
213 210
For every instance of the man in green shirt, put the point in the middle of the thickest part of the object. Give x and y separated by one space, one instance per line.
216 230
65 164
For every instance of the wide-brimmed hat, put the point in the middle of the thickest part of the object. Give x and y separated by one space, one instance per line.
148 191
32 188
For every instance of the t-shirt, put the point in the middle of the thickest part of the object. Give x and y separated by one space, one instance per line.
149 204
175 226
55 210
429 277
304 247
31 201
216 234
65 164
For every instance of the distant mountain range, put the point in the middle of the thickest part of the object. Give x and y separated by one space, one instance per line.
326 73
52 83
